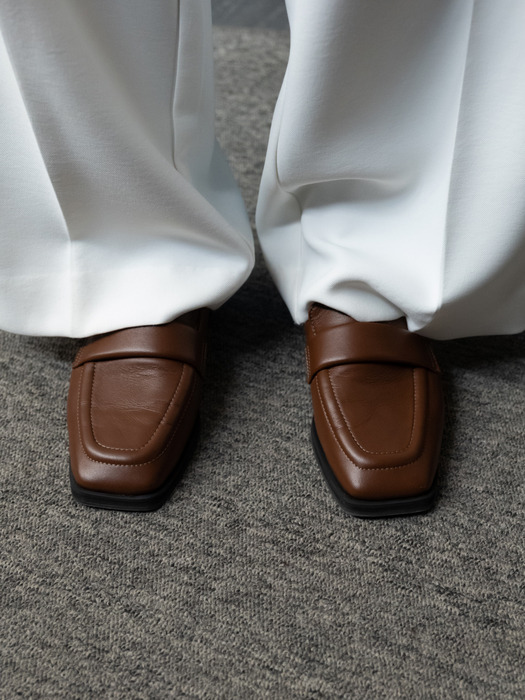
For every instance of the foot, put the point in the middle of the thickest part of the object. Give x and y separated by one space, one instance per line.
378 413
132 413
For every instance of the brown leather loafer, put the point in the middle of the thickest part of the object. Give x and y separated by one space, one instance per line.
132 413
378 413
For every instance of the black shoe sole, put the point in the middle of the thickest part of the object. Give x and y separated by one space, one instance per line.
361 508
143 502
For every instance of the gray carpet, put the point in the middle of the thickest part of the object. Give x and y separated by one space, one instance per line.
251 582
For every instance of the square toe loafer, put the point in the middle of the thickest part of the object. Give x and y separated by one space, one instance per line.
378 413
132 413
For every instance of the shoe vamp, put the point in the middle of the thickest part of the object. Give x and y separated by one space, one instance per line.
135 401
378 408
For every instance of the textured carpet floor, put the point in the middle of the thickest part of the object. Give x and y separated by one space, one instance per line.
251 582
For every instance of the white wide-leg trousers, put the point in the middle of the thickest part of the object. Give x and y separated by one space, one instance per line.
394 183
117 208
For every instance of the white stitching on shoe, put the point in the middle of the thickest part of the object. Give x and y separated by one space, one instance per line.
372 452
131 449
137 464
345 453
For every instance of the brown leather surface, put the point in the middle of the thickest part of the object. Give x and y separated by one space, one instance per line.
173 341
352 343
379 422
132 408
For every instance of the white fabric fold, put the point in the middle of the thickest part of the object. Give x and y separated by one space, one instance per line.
118 208
379 196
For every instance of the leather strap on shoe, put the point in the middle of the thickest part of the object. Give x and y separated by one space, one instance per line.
366 343
173 341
